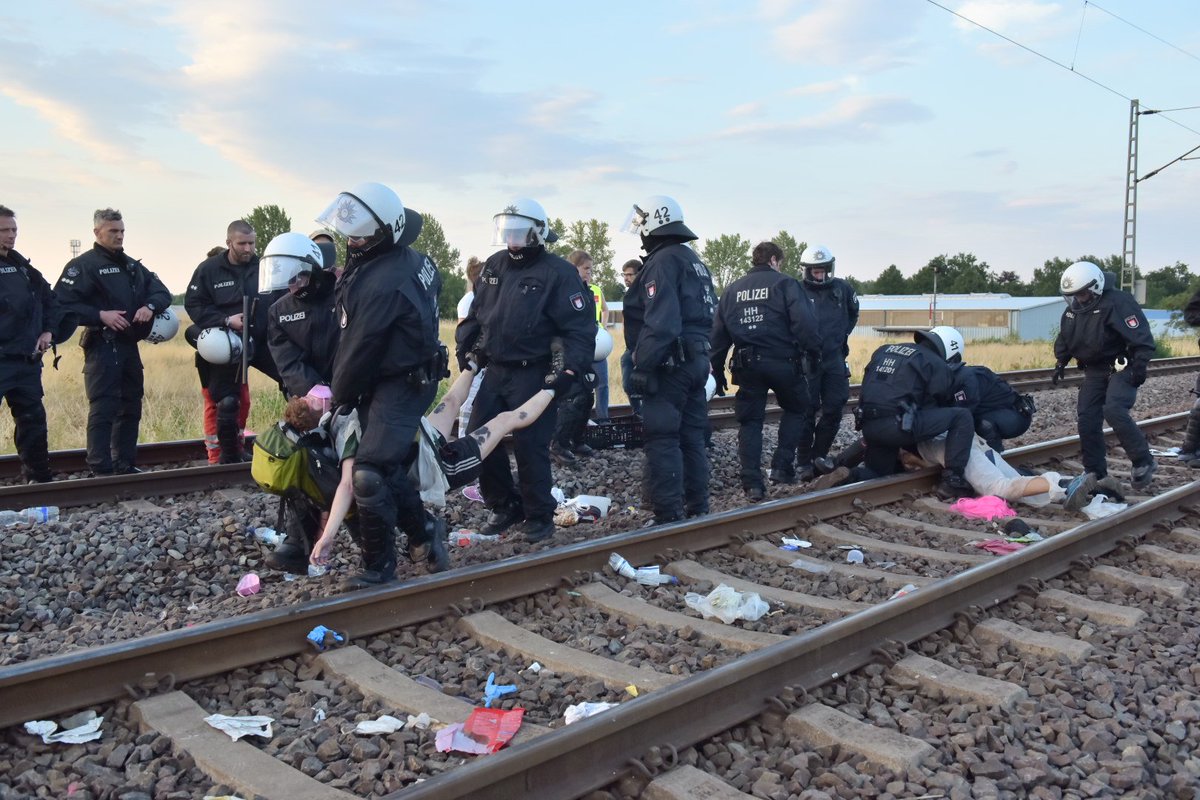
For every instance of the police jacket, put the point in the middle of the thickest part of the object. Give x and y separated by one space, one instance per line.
1191 312
386 306
216 290
302 333
901 374
522 303
836 307
980 390
107 280
28 307
768 311
1113 326
672 298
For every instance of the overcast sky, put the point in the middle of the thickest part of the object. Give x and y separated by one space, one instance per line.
887 130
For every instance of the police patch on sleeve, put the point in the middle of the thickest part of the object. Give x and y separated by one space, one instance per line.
651 289
577 301
73 272
1131 321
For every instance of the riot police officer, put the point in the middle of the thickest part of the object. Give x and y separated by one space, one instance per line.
388 365
525 296
29 316
668 318
999 412
902 390
766 315
836 306
117 299
1101 326
217 297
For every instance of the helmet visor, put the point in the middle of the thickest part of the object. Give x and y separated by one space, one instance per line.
512 230
278 272
634 221
348 216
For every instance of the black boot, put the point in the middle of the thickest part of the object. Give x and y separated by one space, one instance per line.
954 485
439 556
379 551
227 431
504 517
300 521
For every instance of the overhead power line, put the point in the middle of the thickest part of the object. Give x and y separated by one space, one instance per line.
1086 3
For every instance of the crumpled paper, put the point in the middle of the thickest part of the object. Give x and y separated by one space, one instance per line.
237 727
579 711
727 604
84 727
584 508
1101 507
485 731
386 724
999 547
648 576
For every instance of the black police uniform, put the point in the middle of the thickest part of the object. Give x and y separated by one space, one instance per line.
522 301
1109 328
1190 449
107 280
302 332
902 388
836 307
216 292
28 309
668 318
387 366
768 318
999 412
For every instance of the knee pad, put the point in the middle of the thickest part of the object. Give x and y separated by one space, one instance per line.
1194 412
987 429
227 406
369 486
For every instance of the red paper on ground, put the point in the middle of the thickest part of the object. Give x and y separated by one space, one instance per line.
493 726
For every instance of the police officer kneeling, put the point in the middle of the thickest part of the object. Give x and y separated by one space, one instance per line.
901 390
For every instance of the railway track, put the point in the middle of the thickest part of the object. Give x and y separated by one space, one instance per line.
772 668
198 476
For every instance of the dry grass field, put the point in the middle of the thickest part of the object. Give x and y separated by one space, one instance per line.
172 409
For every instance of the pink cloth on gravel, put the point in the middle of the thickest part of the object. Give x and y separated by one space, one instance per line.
999 547
986 507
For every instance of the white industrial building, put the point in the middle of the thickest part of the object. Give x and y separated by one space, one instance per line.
977 316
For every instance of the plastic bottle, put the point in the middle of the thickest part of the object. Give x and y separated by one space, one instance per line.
32 516
267 536
466 538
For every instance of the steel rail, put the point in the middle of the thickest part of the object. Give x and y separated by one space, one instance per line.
85 677
720 411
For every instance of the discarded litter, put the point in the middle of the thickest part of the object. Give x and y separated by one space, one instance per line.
579 711
494 691
631 690
815 567
472 493
906 589
77 729
535 668
854 557
792 543
321 637
464 537
249 584
1100 507
237 727
986 507
318 715
584 508
1028 538
268 536
317 570
485 731
999 547
383 725
648 576
1167 452
727 604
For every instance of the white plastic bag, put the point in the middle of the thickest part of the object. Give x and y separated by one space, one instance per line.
1100 507
727 604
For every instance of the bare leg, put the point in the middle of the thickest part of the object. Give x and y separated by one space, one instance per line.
492 432
445 413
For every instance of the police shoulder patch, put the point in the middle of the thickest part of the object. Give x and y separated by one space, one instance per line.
960 396
651 289
73 272
1131 321
577 301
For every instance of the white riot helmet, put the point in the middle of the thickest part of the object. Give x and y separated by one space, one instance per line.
219 346
287 256
604 345
657 215
1080 277
710 388
819 257
522 223
373 212
946 342
164 327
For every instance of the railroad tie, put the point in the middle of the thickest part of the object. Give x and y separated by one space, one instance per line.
689 783
1183 562
1046 526
830 535
397 691
1031 642
690 571
238 764
1131 581
964 687
1186 536
639 611
895 521
821 726
493 630
765 551
1094 610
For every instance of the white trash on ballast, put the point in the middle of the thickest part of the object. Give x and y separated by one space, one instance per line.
1100 507
727 604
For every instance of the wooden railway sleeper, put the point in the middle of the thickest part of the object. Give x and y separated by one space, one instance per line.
151 684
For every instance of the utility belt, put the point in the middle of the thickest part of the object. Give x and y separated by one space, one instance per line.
1024 405
905 413
93 336
541 362
22 359
749 357
436 367
684 350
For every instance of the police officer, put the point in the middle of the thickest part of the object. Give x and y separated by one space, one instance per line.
388 365
29 316
768 318
1100 326
1189 451
116 298
216 298
668 318
902 389
525 297
303 337
999 412
836 307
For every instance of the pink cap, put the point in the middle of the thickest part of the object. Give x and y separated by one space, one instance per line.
248 585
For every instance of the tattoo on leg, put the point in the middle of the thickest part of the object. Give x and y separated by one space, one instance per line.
523 415
480 435
440 408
